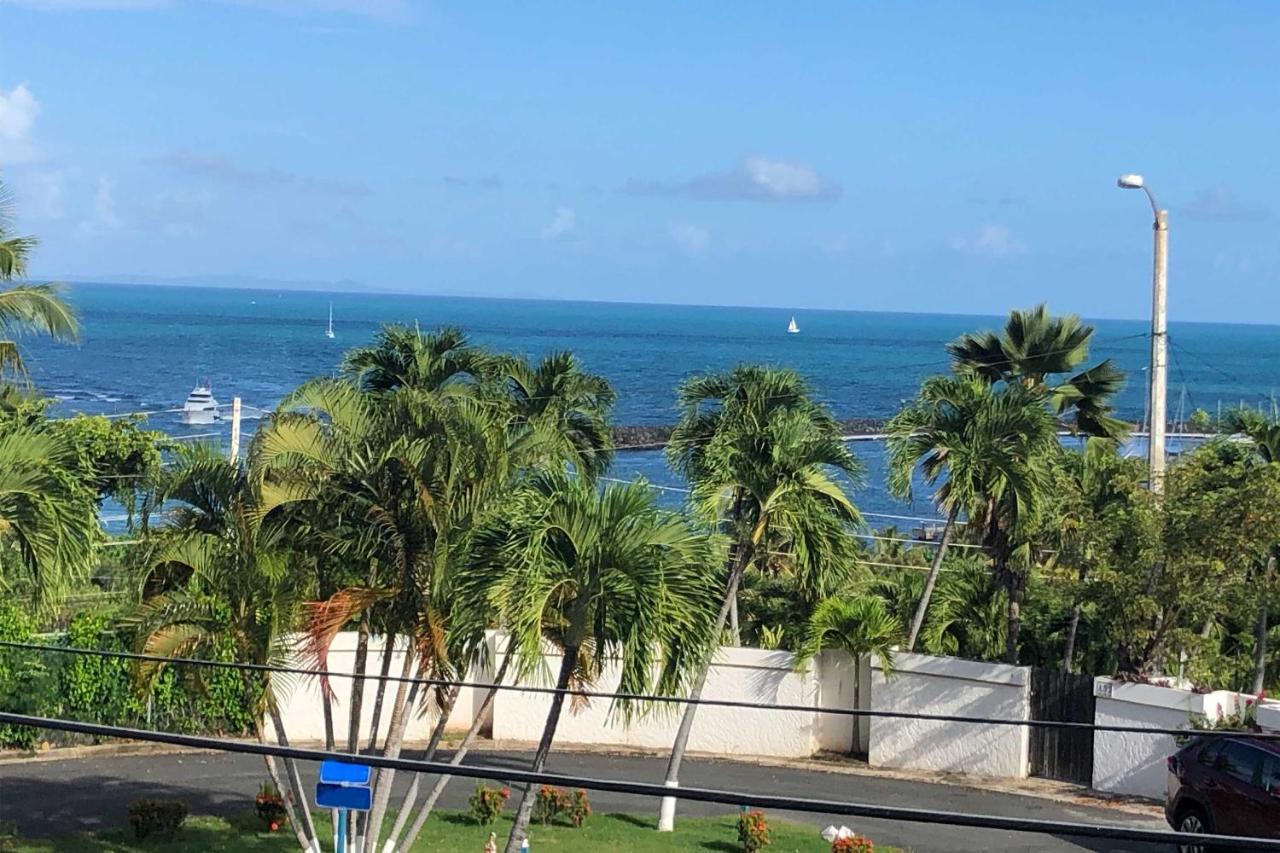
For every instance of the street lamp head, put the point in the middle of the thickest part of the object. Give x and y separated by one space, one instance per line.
1130 182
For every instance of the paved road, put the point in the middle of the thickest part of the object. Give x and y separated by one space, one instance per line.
55 797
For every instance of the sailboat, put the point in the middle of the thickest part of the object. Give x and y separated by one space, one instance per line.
792 328
328 333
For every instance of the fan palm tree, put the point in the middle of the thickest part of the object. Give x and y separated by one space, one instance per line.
25 307
762 459
858 627
216 573
48 516
596 574
1043 354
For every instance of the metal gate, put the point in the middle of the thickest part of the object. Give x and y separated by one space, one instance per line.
1062 753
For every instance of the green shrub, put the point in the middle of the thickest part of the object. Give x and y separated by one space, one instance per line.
161 818
753 831
487 803
24 679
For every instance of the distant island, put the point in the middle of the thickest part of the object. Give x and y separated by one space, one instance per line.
227 282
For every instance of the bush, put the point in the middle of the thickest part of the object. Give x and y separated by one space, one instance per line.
852 844
269 806
552 802
753 831
487 803
161 818
24 680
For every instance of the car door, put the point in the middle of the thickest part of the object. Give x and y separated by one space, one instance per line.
1231 787
1266 799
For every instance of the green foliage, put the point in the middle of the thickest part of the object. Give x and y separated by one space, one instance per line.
753 831
23 677
553 802
157 818
1200 421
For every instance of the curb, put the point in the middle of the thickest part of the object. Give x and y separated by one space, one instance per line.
825 763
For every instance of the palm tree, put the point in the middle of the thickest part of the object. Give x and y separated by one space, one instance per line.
1035 350
762 458
563 411
27 307
858 627
216 572
994 446
48 515
404 357
596 574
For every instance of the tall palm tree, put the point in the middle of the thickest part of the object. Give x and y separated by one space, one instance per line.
25 307
1043 354
48 515
214 573
404 357
596 574
992 448
762 459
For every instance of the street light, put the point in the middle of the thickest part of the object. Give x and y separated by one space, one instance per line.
1159 335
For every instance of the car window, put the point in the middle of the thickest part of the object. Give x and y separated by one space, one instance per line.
1239 761
1209 754
1271 775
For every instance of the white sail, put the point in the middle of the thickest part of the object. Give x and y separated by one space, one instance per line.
792 328
329 332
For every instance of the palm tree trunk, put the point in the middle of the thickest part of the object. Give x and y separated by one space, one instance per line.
428 754
1017 588
384 670
1072 627
735 636
357 684
917 621
667 811
308 827
1260 630
458 756
521 826
284 791
391 749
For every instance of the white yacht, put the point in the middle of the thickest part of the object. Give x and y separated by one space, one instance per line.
328 333
792 328
200 407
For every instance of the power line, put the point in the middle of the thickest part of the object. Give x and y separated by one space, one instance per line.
626 697
649 789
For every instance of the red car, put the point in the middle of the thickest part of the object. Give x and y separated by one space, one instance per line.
1225 786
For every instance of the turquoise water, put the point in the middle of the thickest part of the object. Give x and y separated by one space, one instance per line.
145 347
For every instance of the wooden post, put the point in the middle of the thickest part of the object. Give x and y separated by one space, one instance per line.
235 428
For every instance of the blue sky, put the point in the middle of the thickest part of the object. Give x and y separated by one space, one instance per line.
890 156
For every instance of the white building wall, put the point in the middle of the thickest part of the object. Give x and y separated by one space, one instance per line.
302 709
936 685
750 675
1134 763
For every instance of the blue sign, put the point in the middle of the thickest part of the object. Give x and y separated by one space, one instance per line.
352 797
345 773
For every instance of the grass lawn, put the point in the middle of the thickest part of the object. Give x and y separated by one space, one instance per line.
450 831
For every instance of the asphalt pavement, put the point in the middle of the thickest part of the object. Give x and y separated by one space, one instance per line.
50 798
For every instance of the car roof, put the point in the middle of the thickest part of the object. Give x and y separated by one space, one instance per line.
1265 744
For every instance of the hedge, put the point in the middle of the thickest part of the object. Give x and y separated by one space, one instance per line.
105 690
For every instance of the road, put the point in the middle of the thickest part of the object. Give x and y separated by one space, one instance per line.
55 797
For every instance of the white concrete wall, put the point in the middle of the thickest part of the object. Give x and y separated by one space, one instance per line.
838 675
936 685
750 675
301 709
1134 763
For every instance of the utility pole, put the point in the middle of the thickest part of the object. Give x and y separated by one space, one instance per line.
1158 382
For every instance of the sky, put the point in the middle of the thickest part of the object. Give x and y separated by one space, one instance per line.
949 157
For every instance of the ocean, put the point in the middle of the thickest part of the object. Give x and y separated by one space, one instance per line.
144 348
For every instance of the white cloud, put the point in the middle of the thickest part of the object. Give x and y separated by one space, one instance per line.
105 217
693 239
18 111
754 179
991 240
561 224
